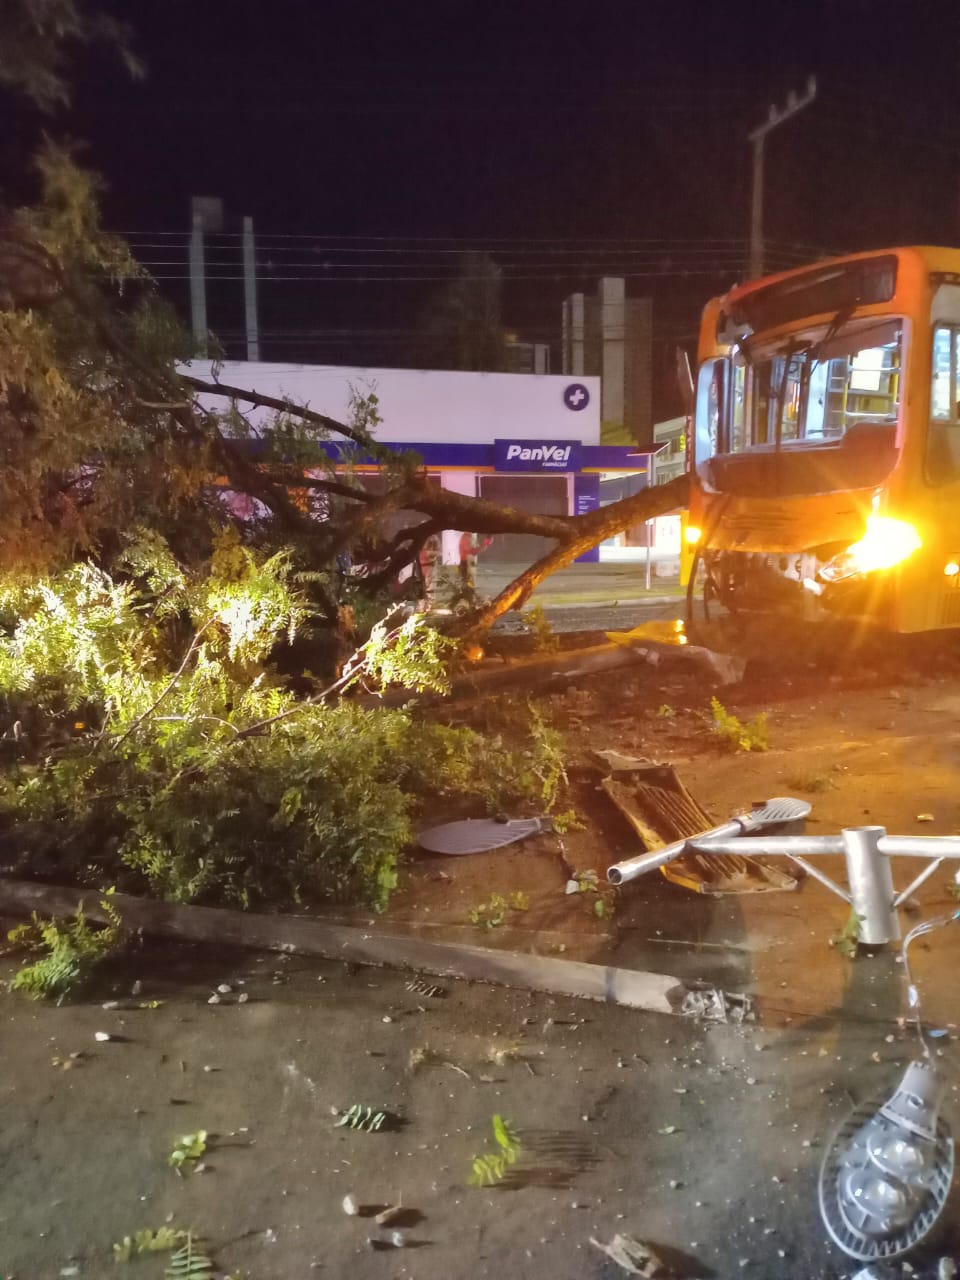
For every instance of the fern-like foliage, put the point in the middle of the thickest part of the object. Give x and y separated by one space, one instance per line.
363 1118
751 735
190 1147
72 950
491 1166
146 1241
847 941
190 1262
153 718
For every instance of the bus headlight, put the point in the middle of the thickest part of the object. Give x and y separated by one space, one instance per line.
692 534
886 543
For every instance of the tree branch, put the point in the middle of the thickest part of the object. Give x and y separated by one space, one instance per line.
586 532
359 437
194 643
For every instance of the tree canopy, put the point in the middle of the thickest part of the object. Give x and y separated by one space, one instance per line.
103 425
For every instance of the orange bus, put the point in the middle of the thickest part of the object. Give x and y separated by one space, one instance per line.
825 462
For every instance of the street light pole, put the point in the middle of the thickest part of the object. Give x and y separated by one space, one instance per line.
757 137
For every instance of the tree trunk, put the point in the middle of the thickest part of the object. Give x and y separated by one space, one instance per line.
585 532
574 535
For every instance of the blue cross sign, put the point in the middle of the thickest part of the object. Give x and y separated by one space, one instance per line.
576 396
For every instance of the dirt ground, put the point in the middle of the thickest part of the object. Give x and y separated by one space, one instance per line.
702 1139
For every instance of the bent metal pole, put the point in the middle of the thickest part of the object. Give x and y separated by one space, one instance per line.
867 852
772 813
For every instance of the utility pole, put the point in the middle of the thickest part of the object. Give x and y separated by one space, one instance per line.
250 291
198 286
206 215
775 117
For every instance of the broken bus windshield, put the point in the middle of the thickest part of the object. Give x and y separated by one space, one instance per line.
806 389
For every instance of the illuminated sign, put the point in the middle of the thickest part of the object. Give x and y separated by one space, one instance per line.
536 455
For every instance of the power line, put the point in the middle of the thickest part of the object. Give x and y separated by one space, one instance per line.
571 243
673 274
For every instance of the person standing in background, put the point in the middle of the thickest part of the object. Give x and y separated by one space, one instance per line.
470 548
431 557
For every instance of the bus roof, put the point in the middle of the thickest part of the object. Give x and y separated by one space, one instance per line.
931 257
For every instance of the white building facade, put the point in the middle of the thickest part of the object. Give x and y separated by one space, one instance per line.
531 441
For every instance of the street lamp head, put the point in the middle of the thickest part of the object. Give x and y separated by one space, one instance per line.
886 1176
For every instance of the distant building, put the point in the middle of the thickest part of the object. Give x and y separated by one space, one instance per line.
670 438
531 442
610 336
527 357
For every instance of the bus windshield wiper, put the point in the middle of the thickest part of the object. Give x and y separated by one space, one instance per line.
786 355
833 328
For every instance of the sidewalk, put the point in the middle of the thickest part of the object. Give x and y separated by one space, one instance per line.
586 585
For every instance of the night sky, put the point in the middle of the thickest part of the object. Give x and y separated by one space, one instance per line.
568 140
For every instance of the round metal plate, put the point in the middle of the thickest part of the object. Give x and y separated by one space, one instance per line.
477 835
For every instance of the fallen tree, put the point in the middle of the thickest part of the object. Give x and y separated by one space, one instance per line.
105 425
161 731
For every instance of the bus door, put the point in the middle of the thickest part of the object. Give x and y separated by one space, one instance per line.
941 517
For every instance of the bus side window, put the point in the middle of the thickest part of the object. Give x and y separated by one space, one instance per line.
711 415
943 440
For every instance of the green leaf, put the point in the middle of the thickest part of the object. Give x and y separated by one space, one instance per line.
190 1262
190 1147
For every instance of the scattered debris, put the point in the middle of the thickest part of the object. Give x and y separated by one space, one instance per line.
102 1036
924 817
662 812
479 835
946 1269
363 1118
419 1056
635 1256
420 987
617 762
500 1054
190 1262
659 637
847 941
459 1070
493 913
146 1241
350 1206
492 1167
715 1005
395 1240
393 1213
224 988
190 1147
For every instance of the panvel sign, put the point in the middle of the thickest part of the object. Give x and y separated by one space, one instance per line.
536 455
